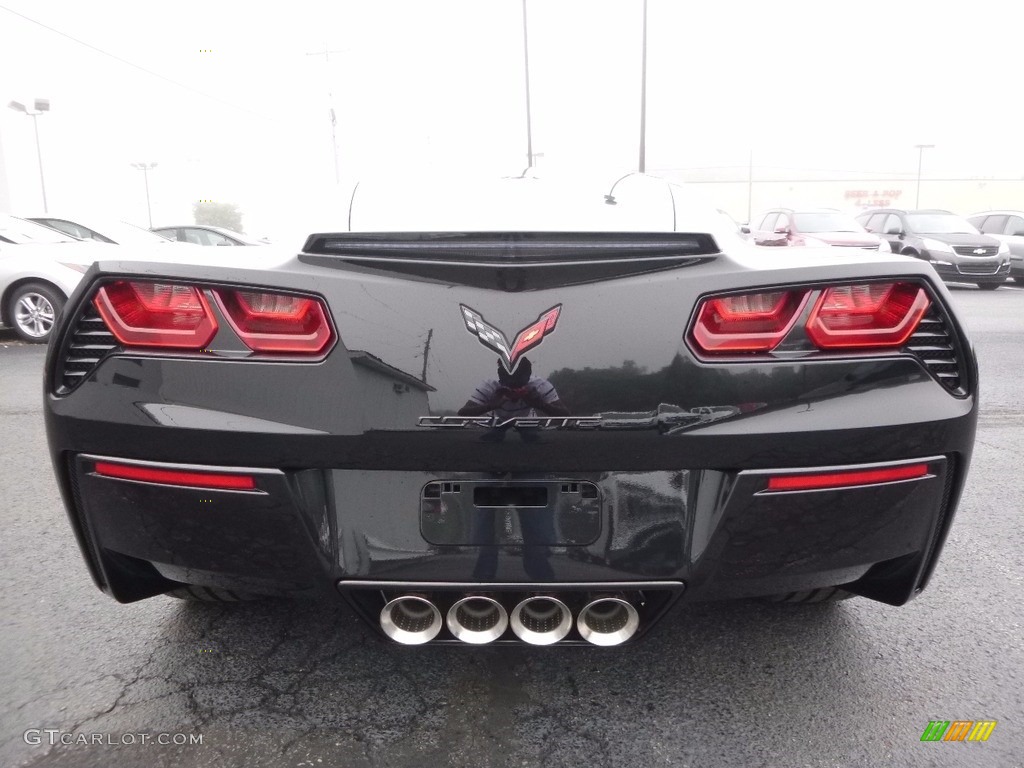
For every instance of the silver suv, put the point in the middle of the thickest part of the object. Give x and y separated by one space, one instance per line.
952 245
1006 227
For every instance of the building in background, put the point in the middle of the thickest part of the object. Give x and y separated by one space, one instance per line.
730 189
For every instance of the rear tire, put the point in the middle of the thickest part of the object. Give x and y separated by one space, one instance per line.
823 595
33 311
211 594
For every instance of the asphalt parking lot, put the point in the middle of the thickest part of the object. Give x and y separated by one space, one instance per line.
295 684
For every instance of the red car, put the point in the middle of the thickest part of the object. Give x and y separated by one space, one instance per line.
786 226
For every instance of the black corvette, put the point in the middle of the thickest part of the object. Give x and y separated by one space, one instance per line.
540 434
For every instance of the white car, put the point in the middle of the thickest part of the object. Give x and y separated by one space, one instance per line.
204 234
39 268
102 230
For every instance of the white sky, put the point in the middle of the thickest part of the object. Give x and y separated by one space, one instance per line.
431 88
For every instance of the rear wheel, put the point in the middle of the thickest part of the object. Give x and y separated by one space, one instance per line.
823 595
33 311
211 594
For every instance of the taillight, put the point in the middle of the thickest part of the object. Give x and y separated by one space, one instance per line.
156 314
861 316
753 322
274 322
868 315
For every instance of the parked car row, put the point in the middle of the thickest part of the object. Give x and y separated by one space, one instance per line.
39 268
43 258
986 249
101 230
123 233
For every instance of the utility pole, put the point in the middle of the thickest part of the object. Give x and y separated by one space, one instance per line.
642 165
920 155
39 107
750 184
526 62
426 354
146 168
330 103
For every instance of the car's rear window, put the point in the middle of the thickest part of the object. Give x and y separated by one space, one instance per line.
825 222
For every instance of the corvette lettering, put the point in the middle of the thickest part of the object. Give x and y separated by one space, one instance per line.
535 422
525 340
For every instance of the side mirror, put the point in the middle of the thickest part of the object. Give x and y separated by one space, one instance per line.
1018 233
894 231
746 230
782 231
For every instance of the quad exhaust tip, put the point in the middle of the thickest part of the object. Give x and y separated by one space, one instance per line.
477 619
607 621
410 620
541 620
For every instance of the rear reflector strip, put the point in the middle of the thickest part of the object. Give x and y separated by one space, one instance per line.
846 479
189 479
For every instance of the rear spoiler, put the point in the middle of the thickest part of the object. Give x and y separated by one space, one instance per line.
513 248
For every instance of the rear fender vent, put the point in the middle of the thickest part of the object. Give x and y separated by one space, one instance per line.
935 345
86 346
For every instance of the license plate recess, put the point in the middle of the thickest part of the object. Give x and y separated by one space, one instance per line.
527 512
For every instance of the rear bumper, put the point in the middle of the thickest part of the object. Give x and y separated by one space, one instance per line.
717 533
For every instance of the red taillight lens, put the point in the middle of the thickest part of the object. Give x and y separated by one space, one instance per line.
156 314
274 322
847 479
191 479
753 322
868 315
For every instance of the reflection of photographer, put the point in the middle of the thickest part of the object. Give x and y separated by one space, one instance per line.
515 394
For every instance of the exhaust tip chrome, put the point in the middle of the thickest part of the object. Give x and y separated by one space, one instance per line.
541 620
410 620
477 619
607 621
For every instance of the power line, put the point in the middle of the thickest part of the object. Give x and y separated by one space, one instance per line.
136 66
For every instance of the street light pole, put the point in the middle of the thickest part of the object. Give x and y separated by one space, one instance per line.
920 156
326 53
642 165
40 106
529 123
146 168
750 184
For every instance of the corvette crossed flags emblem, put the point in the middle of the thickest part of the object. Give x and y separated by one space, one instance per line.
525 340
